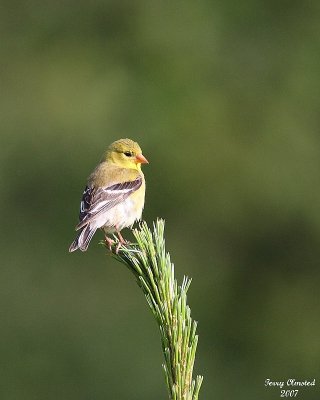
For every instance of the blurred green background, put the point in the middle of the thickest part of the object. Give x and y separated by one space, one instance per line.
223 98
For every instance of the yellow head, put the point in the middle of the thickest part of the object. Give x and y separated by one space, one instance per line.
126 154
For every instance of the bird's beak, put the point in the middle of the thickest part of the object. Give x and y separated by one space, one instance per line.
140 159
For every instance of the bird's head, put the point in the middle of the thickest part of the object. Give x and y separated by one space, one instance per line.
126 154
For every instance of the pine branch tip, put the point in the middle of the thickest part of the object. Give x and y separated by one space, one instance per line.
151 265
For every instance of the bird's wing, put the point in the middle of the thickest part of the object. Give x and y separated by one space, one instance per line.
96 201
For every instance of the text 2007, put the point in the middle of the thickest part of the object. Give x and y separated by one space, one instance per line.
289 393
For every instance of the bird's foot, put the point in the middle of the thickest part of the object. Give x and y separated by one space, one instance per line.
121 242
109 242
118 247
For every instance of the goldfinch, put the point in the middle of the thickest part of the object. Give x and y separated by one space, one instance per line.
114 196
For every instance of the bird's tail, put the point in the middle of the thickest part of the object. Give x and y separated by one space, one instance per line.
83 239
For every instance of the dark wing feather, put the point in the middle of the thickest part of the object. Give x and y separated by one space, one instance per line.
97 201
85 202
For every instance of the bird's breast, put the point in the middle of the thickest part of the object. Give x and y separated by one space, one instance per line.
122 215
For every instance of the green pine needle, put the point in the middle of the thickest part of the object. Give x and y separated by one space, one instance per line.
151 265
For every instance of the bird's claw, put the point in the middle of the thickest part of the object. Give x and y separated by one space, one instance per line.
118 247
109 242
121 242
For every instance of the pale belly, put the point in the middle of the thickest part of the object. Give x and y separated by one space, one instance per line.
120 216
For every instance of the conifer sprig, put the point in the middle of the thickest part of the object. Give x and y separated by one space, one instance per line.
152 267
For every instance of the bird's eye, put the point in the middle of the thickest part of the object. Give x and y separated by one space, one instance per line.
128 153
